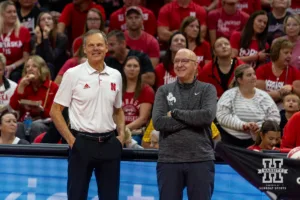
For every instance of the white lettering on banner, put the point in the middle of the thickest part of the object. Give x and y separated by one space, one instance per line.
272 170
62 196
222 25
137 194
273 85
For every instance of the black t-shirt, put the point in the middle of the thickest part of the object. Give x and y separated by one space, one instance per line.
29 21
226 77
146 65
275 29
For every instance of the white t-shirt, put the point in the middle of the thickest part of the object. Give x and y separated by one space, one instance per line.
91 97
5 95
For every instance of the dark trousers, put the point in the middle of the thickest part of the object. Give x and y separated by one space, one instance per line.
87 156
198 177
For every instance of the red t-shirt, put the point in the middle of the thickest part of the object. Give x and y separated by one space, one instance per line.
76 44
118 20
203 2
225 24
163 77
203 53
75 19
171 15
291 134
295 6
72 62
39 95
210 74
253 49
131 106
13 47
264 72
146 44
248 6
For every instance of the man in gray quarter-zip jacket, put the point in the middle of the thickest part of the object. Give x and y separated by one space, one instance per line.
183 112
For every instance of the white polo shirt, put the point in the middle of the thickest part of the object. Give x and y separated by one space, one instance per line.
91 97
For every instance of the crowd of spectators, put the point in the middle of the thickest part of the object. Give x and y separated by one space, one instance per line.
248 49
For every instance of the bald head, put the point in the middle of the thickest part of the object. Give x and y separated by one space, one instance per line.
185 65
187 53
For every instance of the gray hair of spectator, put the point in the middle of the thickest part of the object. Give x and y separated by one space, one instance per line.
118 34
40 63
95 10
186 22
3 6
295 17
278 44
239 73
265 128
93 32
289 2
2 59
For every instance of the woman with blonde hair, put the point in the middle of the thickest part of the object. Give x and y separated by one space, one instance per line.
292 31
35 94
242 109
14 40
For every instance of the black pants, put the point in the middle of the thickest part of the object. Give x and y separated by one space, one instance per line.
89 155
198 177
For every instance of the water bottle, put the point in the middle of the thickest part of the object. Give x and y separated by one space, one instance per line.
27 123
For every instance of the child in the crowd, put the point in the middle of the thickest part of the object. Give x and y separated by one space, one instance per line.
154 139
269 137
291 104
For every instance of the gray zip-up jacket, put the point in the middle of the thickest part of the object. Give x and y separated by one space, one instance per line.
186 136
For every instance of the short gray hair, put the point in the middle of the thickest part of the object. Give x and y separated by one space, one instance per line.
2 59
92 32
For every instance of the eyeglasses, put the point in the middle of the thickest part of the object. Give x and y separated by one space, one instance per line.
183 61
93 19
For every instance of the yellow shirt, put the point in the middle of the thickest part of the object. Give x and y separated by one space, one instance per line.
146 138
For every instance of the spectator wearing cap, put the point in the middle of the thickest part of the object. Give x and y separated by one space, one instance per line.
276 19
118 53
248 6
94 20
117 18
172 14
191 28
223 21
138 39
74 16
28 13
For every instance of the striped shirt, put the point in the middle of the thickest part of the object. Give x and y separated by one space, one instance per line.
234 111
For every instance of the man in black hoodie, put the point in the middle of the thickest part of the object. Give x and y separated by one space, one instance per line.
183 112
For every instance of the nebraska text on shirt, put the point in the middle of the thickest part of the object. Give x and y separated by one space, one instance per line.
168 78
11 44
222 25
273 85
